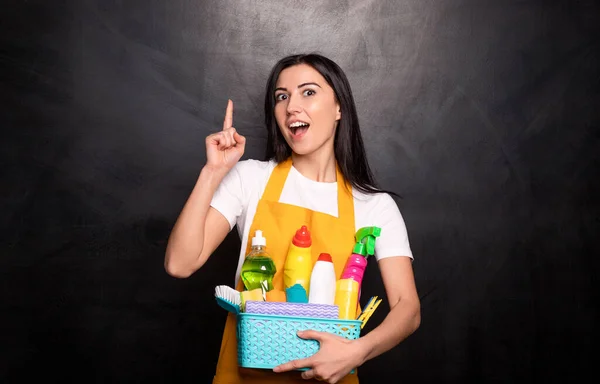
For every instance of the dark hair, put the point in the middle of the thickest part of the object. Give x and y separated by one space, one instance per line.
349 149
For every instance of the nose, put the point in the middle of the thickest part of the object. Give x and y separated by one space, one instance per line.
293 105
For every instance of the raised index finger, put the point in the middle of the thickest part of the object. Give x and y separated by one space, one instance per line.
228 122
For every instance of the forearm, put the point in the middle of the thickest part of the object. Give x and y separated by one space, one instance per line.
184 249
403 319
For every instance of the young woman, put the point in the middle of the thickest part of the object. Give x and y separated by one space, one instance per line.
315 173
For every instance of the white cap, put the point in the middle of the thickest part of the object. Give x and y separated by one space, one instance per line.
258 239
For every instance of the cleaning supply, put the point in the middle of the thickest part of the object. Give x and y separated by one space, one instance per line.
348 287
251 295
258 265
363 248
322 281
264 288
276 296
368 311
370 303
228 298
315 311
298 263
296 294
346 298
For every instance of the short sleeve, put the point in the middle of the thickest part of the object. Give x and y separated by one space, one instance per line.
393 240
229 197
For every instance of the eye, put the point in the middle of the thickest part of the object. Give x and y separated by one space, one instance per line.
280 96
308 92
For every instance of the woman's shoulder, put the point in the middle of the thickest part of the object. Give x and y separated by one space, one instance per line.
382 200
381 210
253 165
375 206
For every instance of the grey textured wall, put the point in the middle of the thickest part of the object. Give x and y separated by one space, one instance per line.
482 114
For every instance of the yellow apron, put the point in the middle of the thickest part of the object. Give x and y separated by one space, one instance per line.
279 222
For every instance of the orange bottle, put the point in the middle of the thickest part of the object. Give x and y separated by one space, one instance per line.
346 298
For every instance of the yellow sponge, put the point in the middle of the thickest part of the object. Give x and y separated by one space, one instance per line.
253 295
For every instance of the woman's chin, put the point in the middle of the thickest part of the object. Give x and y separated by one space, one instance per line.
301 150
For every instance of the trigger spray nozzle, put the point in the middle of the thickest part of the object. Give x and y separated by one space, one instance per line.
365 241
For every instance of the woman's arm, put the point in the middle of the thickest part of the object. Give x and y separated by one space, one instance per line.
199 229
337 355
405 308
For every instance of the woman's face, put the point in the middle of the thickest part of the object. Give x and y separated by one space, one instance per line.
305 109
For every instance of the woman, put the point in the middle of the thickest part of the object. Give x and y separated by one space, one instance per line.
315 173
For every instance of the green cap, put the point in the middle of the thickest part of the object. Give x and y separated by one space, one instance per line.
365 241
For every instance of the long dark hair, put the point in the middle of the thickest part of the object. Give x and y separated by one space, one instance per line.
349 149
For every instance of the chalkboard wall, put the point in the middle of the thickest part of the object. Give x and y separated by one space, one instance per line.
483 115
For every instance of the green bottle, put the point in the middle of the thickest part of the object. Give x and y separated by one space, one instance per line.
258 265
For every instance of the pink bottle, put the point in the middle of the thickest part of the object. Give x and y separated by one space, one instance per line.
364 247
355 267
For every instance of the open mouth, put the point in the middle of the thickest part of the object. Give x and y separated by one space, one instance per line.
298 128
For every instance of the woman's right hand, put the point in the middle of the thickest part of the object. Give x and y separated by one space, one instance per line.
225 148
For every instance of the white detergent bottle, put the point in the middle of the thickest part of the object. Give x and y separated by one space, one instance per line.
322 281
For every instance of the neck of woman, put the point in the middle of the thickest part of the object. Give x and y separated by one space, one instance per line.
318 166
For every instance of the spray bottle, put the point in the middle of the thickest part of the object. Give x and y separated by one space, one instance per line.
348 287
364 247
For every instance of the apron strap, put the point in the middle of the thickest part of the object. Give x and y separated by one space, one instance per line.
277 181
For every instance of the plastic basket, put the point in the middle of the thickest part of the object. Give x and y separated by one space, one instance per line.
265 341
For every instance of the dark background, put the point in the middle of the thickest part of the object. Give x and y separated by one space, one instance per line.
483 115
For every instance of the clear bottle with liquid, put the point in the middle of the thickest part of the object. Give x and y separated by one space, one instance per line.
258 265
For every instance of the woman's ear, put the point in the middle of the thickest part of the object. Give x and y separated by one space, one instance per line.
338 114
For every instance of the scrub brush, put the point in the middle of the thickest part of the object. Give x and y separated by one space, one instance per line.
228 298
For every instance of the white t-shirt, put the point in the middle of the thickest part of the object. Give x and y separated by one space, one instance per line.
238 194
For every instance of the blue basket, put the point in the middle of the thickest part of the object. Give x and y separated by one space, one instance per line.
266 341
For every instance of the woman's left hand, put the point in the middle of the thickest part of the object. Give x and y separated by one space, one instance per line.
337 356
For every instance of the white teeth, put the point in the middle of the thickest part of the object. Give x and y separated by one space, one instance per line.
298 124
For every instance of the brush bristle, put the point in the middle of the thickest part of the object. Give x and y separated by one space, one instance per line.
227 293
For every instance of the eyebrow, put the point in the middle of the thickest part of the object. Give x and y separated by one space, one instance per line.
300 86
